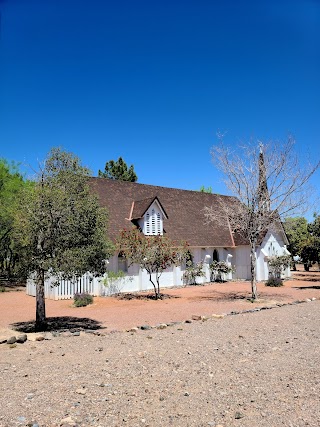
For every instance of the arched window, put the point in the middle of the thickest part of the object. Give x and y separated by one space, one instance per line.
215 255
122 263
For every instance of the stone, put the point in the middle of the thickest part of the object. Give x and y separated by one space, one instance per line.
48 336
196 317
133 329
11 340
22 338
69 421
81 391
238 415
188 321
40 338
162 326
145 327
3 340
217 316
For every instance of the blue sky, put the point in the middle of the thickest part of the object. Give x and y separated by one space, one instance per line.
153 81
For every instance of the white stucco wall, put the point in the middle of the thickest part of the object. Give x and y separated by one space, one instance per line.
272 245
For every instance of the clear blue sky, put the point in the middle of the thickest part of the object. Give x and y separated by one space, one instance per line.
154 80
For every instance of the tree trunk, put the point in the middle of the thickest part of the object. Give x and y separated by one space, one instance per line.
41 321
154 286
253 271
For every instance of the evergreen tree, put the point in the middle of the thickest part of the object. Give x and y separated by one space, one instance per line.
118 170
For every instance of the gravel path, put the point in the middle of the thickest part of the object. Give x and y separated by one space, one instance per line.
254 369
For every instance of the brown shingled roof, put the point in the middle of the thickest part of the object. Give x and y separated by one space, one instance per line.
186 220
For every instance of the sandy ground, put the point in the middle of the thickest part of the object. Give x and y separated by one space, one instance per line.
115 314
255 369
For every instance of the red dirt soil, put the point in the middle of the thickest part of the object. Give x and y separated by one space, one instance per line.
118 314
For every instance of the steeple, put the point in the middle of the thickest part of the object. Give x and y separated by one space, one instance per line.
263 193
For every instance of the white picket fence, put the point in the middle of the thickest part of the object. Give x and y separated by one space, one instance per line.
66 289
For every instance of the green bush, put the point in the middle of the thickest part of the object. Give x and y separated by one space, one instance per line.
274 282
81 300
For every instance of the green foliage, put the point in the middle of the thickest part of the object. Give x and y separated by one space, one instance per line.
153 253
11 253
82 300
204 189
118 170
218 268
61 225
192 272
297 232
277 264
274 282
113 281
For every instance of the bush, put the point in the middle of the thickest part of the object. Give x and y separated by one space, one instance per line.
274 282
219 268
81 300
192 272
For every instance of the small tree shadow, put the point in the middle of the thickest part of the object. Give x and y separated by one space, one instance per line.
131 296
306 287
64 323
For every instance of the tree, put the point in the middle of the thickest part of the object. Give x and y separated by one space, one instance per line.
153 253
61 226
11 184
297 233
118 170
204 189
268 184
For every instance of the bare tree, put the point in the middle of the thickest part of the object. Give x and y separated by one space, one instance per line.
268 183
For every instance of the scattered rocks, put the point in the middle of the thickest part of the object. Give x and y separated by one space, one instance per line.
22 338
11 340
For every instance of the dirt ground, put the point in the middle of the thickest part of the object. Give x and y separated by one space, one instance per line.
180 304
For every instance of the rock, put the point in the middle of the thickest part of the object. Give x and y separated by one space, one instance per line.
66 334
162 326
48 336
68 421
22 338
133 329
238 415
81 391
196 317
76 334
313 299
3 340
11 340
145 327
186 394
40 338
188 321
217 316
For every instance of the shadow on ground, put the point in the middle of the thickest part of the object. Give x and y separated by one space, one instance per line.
63 323
306 287
305 277
131 296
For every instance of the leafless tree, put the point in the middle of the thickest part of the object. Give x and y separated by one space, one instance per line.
267 182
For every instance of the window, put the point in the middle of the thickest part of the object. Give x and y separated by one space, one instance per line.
215 255
153 224
122 263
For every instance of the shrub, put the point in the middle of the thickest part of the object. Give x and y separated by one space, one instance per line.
192 272
218 268
277 264
274 282
81 300
114 281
